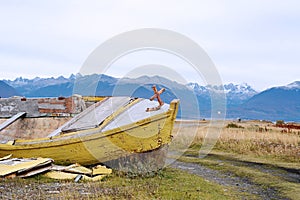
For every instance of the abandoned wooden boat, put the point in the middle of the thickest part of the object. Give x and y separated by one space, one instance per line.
111 128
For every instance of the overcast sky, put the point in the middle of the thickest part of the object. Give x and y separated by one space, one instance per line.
252 41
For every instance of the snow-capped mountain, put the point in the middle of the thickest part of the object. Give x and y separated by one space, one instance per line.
292 86
37 81
24 86
235 93
198 89
239 91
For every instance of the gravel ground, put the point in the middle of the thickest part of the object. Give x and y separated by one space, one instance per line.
228 179
52 190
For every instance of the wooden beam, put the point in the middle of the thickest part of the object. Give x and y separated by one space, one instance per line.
12 120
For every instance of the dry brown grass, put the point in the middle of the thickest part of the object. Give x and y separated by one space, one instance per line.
260 138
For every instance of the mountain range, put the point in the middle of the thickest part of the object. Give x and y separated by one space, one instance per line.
277 103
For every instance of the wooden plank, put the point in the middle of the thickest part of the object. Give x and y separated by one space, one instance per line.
16 165
34 171
12 120
100 170
66 175
6 157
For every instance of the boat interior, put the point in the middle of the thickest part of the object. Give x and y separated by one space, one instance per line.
55 116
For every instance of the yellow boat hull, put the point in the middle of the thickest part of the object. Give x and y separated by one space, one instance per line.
93 146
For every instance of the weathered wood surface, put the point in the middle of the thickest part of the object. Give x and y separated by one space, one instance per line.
136 113
96 114
41 107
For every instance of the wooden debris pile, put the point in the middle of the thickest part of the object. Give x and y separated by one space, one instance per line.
28 167
78 172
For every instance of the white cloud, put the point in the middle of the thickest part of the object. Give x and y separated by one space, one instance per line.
259 35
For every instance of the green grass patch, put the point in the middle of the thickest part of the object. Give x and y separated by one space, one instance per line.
168 184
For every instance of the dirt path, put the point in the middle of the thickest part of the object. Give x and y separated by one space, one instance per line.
288 174
228 179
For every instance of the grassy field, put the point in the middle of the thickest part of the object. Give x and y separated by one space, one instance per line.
261 139
254 150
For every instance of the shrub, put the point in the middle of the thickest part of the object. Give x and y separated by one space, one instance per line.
233 125
279 122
